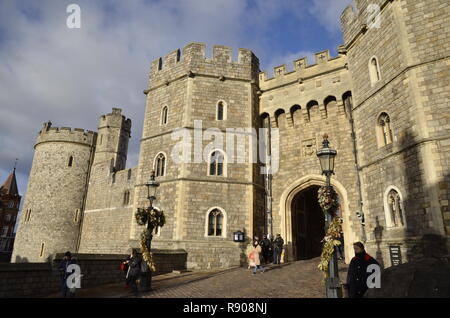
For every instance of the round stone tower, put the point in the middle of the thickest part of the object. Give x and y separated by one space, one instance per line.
50 221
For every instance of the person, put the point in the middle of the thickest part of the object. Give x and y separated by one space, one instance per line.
145 273
357 272
266 247
255 258
63 265
134 269
340 248
277 249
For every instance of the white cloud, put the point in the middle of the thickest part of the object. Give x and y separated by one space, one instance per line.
328 12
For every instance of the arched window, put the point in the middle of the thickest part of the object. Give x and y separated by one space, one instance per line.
221 109
374 70
280 118
384 130
296 114
160 165
216 163
215 223
394 209
70 161
164 115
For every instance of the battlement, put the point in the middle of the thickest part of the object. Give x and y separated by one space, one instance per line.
324 63
115 119
65 134
192 60
359 20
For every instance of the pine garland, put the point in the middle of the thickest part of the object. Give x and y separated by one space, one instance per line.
156 218
330 240
328 199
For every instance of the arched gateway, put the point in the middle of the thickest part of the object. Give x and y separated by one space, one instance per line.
303 222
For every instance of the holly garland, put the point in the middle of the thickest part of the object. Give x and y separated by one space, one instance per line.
327 198
330 240
156 218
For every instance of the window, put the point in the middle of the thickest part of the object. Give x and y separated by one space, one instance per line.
129 174
27 215
384 130
164 115
41 253
160 165
126 198
101 140
394 209
11 205
70 161
77 215
215 223
374 70
216 163
8 217
220 110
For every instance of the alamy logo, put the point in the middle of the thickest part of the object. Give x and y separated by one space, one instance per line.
374 279
74 19
239 145
74 279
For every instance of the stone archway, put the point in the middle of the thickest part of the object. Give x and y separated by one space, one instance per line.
285 213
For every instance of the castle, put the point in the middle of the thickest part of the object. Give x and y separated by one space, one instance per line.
383 101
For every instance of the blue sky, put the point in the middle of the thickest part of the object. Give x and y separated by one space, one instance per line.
73 76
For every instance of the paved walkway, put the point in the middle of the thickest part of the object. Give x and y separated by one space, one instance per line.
291 280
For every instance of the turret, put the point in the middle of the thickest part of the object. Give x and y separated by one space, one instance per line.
112 143
54 199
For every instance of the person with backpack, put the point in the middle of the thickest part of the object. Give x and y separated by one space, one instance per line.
277 249
134 270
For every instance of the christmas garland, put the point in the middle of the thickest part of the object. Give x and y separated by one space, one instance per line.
327 198
330 240
156 218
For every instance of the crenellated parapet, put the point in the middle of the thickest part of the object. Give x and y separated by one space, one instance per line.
357 21
191 61
303 70
65 134
115 119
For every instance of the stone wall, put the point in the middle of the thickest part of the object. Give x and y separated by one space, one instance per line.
42 279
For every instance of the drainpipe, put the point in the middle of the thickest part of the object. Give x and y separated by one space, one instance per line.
348 104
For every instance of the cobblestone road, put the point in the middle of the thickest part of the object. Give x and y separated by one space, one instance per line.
293 280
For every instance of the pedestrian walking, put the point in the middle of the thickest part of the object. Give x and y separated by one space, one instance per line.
134 270
357 272
278 244
64 275
255 258
266 249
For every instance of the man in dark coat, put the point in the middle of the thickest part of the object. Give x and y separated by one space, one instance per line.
66 261
266 247
277 249
134 270
357 274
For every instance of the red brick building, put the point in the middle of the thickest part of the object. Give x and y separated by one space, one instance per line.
9 208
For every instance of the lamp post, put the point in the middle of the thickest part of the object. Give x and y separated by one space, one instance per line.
152 187
326 157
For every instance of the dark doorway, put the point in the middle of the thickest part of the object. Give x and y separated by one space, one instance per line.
308 224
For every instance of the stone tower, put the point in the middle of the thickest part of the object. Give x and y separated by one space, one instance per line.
398 60
56 193
188 94
112 144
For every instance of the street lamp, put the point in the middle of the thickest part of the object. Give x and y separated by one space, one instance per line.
326 157
152 187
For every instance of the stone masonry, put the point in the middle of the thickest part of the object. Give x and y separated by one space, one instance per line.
393 65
